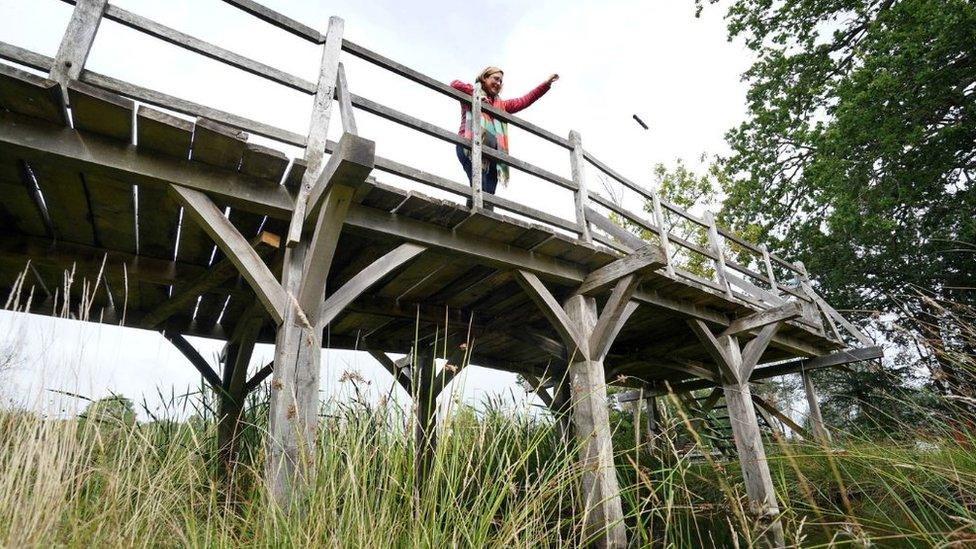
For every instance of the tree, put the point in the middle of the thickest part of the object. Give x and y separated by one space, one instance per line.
858 151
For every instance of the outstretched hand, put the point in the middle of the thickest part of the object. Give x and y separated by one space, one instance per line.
553 78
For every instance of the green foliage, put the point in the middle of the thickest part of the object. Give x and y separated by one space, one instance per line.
110 410
858 150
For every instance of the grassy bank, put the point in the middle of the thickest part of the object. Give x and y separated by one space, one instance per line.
499 480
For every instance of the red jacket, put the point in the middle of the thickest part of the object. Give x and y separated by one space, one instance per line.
508 105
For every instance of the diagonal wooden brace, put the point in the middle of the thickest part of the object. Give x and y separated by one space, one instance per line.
551 309
645 258
773 315
615 314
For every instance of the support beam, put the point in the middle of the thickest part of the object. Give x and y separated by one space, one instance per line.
754 321
231 398
236 248
365 279
820 431
558 318
755 349
215 276
615 314
425 421
601 493
395 368
77 40
195 359
716 349
258 377
647 258
785 419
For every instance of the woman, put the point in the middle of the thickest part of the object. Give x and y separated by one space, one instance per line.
495 132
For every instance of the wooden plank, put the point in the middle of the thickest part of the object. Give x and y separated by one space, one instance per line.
98 111
18 212
345 103
25 57
395 368
67 202
430 210
629 239
77 40
647 257
263 163
30 95
248 262
366 278
296 172
161 132
190 108
715 349
787 420
662 232
772 315
217 144
754 350
113 213
191 354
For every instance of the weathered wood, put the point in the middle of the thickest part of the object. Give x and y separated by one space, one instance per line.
345 103
615 313
264 163
785 419
716 350
98 111
177 38
754 350
770 274
198 362
77 40
820 431
158 131
601 495
662 232
234 390
567 329
860 336
318 125
281 21
752 460
235 247
348 166
604 223
581 196
26 57
217 144
395 369
425 421
366 278
477 170
31 95
645 258
719 256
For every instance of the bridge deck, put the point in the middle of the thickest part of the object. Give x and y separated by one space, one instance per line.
76 196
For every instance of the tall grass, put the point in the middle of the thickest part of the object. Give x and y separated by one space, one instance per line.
499 478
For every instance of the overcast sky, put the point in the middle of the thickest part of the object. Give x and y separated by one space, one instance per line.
615 59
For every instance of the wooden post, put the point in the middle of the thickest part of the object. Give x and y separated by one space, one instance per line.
477 198
293 410
650 422
810 312
715 246
735 367
237 356
601 493
662 232
425 426
77 41
577 165
816 418
773 286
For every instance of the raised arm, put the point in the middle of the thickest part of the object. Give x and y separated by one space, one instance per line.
463 87
519 103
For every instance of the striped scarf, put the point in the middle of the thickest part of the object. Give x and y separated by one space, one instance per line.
491 130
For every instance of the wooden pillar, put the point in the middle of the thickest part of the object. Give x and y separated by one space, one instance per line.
650 423
477 196
237 356
816 418
77 40
425 420
591 420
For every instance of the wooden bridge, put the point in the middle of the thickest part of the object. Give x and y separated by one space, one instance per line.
178 224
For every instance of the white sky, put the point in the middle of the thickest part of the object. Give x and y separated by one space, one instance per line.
615 59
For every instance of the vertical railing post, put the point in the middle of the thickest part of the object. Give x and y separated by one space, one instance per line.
715 246
77 40
581 196
773 286
810 311
816 418
662 233
477 196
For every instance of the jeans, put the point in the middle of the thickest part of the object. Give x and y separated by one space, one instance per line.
489 174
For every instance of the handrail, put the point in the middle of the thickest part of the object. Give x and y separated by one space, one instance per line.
714 250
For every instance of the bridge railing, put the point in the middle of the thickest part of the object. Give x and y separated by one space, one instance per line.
700 252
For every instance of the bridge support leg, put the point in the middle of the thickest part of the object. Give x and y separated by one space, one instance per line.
820 431
425 420
591 421
237 355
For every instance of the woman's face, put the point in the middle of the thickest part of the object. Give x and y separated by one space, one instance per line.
493 84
